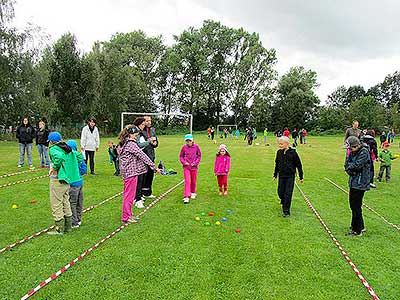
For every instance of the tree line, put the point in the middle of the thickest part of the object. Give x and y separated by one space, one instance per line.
217 73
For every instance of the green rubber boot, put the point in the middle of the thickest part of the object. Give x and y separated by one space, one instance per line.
59 229
68 224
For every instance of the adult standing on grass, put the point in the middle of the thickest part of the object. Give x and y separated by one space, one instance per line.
42 144
352 131
286 162
90 142
150 134
390 136
369 139
25 134
295 135
357 166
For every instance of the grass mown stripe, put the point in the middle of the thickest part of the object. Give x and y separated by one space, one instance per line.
346 256
80 257
23 181
364 204
52 226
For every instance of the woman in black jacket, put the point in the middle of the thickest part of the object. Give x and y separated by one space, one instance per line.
42 144
25 134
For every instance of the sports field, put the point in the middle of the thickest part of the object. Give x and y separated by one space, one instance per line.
170 255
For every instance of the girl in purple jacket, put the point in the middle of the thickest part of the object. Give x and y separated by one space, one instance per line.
132 162
222 166
190 157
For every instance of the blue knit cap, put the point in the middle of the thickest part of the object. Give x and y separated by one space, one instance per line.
188 137
72 144
54 137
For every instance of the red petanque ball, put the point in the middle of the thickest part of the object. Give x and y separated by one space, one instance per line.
237 230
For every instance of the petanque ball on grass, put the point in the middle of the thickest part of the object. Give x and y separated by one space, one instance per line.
237 230
33 201
228 211
14 206
257 144
207 223
218 223
210 214
197 218
203 214
224 220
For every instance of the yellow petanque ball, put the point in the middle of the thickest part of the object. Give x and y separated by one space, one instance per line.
14 206
197 218
218 223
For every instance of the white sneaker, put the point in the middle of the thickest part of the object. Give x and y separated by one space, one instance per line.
139 204
151 196
186 200
372 185
19 166
193 195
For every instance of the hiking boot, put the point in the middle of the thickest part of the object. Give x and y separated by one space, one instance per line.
68 224
139 204
59 229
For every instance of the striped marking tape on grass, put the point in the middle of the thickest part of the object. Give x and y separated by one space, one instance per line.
18 173
346 256
9 247
22 181
80 257
365 205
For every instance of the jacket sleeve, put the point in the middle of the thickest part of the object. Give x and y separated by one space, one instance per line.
142 156
82 168
57 159
17 132
153 133
228 164
83 137
142 145
358 164
299 166
215 164
198 157
182 155
97 138
276 171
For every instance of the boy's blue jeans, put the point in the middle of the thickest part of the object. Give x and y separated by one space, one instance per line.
22 149
44 155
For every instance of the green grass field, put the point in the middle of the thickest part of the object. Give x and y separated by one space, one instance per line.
169 255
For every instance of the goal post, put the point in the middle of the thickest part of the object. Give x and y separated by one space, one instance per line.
225 126
176 116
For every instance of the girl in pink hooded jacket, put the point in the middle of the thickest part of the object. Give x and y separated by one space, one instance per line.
190 157
222 166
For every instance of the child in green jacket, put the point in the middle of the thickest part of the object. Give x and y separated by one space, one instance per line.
64 170
385 157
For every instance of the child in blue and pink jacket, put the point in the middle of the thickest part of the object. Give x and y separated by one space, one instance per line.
222 166
190 157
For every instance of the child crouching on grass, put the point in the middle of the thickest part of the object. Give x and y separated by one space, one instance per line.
222 166
133 163
64 171
190 157
286 162
76 189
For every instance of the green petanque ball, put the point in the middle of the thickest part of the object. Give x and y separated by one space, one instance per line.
207 224
203 214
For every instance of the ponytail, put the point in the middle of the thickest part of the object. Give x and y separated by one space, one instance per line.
123 135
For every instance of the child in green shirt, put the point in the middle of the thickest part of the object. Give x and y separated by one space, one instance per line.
385 157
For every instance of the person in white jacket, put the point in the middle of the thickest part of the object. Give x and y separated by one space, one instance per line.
90 142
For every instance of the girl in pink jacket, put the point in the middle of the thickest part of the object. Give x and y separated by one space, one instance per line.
190 157
221 169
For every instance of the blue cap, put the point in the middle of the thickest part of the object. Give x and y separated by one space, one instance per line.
54 137
188 137
72 144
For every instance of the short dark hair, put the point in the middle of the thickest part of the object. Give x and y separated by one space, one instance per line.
138 121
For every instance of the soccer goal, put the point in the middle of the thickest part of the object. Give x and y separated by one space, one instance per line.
163 122
221 127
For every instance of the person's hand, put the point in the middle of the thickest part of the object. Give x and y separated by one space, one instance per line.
158 171
82 149
192 164
273 178
53 172
186 164
97 149
301 181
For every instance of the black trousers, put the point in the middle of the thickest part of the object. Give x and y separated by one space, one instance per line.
116 165
355 199
285 192
139 187
372 172
148 182
90 156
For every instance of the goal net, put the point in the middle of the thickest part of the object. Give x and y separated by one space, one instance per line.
226 131
172 123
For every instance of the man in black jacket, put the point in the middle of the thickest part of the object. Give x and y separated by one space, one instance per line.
25 134
149 134
286 162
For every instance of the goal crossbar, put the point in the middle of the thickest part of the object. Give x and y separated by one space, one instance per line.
228 125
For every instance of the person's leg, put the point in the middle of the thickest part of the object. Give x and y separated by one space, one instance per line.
148 182
187 178
56 191
67 209
21 154
116 166
79 205
287 198
193 181
372 172
225 184
41 156
281 188
357 222
29 153
219 180
46 156
139 187
129 194
381 170
73 200
388 173
91 157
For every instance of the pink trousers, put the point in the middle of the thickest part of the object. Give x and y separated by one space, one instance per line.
190 182
222 182
130 184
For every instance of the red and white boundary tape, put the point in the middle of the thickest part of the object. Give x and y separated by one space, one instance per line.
18 173
346 256
80 257
51 227
22 181
365 205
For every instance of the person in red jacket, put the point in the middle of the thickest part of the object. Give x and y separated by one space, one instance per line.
222 166
286 132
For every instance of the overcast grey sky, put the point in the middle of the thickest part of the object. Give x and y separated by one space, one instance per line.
345 42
